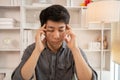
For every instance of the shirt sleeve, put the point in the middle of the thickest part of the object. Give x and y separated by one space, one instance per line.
16 75
94 74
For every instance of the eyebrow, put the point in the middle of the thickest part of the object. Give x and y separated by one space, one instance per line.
61 27
50 27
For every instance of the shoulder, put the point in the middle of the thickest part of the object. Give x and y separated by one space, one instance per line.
30 47
28 51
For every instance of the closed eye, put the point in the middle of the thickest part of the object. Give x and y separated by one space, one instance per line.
50 30
61 30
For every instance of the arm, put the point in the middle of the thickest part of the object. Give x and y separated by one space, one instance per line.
83 70
94 74
27 66
16 75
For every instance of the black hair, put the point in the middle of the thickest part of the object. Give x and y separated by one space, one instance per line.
55 13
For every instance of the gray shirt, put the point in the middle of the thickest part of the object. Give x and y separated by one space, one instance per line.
51 66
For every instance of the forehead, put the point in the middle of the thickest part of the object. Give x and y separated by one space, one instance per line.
55 24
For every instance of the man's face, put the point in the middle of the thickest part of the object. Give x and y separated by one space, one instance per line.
55 33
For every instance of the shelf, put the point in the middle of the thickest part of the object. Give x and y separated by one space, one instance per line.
99 69
34 28
4 70
99 28
9 6
107 50
96 68
87 50
74 7
76 28
82 29
107 28
15 28
32 7
31 28
9 49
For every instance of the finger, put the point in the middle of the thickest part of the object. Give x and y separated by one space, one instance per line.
67 31
66 39
43 26
39 31
68 27
70 34
42 29
39 34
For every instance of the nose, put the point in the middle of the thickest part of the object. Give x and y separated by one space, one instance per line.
56 34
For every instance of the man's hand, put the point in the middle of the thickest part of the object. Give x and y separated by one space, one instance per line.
39 42
70 38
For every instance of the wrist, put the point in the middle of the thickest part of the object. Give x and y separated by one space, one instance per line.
38 50
74 48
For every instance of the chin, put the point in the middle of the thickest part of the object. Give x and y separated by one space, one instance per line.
56 46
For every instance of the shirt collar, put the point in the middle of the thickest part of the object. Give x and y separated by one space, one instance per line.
64 44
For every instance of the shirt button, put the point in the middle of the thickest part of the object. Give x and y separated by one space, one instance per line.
53 66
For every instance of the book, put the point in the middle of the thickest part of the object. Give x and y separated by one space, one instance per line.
7 20
7 23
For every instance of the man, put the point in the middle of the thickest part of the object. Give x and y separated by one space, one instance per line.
57 56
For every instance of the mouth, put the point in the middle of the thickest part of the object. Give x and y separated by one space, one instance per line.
56 42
